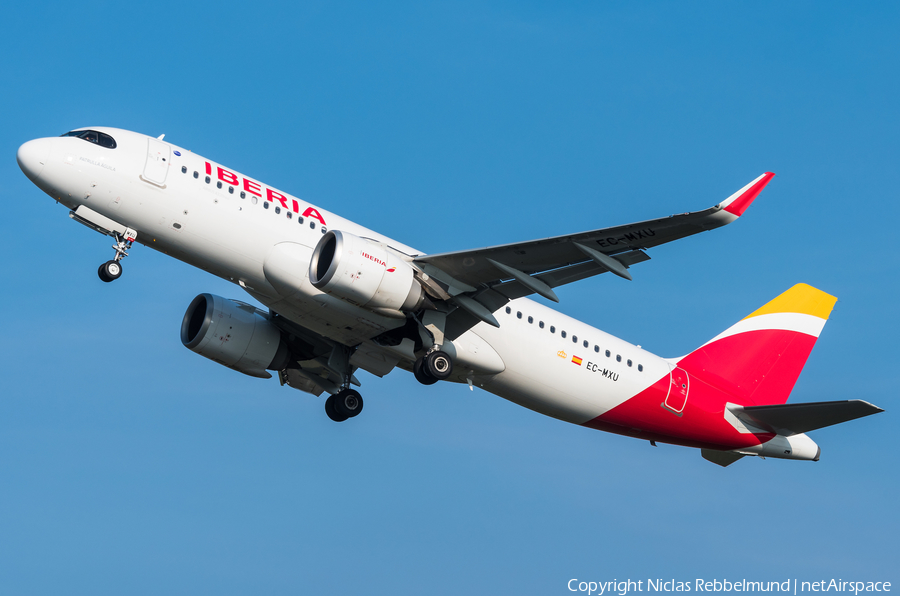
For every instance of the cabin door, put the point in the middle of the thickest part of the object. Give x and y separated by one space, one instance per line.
157 165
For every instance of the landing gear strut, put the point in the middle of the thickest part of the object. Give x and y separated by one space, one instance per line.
436 365
347 403
433 367
112 270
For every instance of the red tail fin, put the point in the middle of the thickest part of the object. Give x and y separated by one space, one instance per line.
759 359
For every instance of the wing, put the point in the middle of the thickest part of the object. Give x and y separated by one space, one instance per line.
482 280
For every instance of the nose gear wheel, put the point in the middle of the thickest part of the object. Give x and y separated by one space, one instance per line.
110 271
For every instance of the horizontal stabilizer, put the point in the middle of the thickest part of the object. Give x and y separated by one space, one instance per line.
793 419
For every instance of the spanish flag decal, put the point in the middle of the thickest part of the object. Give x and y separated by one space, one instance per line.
576 360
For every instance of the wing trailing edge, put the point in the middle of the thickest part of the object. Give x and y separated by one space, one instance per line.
494 275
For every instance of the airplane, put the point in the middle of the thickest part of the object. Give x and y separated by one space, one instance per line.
341 298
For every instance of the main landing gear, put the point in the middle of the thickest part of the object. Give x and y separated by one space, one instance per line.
436 365
112 270
347 403
433 367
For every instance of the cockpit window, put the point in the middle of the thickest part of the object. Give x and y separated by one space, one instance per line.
93 136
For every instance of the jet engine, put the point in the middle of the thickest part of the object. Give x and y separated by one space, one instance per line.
233 334
364 273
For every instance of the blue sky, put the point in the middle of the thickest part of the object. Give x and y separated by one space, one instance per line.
130 465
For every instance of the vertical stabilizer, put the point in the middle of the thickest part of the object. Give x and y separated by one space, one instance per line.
759 359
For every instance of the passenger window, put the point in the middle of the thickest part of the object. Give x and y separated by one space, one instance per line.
299 220
640 368
629 363
574 339
541 324
608 354
253 200
585 343
530 320
219 184
243 195
618 358
184 169
312 225
508 310
324 230
519 315
552 329
277 209
196 174
597 349
289 214
231 190
207 179
265 205
562 333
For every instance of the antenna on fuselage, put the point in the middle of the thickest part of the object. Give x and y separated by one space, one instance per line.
160 137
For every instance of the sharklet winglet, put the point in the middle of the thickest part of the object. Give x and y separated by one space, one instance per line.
737 203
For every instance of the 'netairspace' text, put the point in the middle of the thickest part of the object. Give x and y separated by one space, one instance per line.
623 587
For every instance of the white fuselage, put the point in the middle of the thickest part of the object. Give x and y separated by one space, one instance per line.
183 208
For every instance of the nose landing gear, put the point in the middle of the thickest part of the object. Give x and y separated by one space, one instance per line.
109 271
112 270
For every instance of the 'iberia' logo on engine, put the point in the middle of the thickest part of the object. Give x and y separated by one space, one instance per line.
374 259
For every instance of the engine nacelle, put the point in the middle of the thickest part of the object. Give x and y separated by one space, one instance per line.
364 273
233 334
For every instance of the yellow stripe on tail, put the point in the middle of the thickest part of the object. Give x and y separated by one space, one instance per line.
803 299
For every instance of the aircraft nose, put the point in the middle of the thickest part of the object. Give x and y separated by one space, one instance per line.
32 156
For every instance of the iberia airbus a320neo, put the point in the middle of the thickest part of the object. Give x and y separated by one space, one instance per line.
341 297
